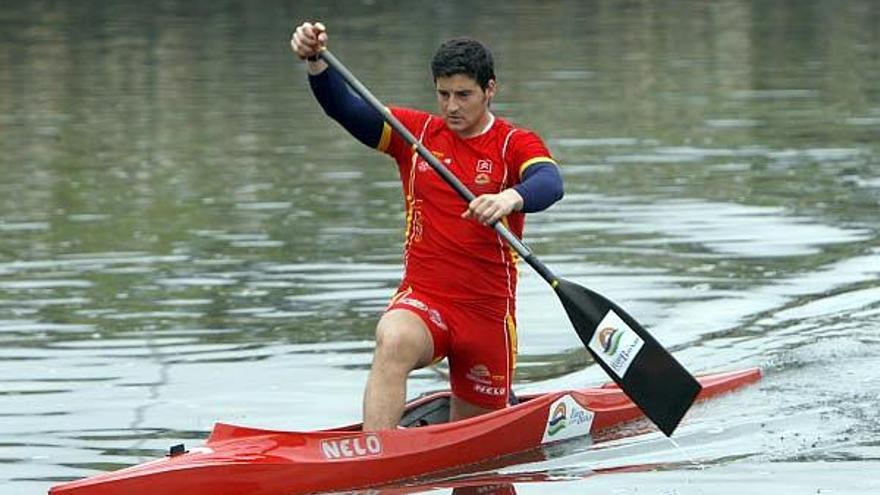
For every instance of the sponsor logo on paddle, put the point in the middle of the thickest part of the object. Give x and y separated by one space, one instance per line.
351 447
616 344
567 419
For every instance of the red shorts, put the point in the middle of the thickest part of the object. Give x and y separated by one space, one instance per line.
478 339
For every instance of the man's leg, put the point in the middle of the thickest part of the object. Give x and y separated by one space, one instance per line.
403 343
481 359
461 409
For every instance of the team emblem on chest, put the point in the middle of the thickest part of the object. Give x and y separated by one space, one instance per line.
484 169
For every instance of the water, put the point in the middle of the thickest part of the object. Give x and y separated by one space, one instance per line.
185 238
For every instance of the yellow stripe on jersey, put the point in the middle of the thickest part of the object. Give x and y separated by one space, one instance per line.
410 207
385 139
511 335
529 163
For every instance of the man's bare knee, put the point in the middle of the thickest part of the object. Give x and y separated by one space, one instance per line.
402 339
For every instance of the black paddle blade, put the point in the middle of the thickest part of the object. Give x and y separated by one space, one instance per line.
649 375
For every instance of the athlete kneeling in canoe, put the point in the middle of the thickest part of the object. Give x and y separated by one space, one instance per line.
457 298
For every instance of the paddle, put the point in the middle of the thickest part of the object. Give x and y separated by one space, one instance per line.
643 369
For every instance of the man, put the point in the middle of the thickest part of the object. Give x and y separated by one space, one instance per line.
457 296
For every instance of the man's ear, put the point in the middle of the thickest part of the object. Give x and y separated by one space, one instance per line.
491 88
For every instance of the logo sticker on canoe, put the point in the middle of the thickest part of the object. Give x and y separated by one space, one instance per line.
567 419
616 344
351 447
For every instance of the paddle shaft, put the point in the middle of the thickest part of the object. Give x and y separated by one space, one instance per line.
441 169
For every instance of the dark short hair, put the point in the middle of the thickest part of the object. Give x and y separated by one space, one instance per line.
464 56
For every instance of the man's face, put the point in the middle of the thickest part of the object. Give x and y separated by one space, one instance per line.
464 105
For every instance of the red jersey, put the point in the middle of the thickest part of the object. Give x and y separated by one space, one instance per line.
444 254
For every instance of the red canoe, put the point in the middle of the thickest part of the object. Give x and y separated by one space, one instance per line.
240 460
